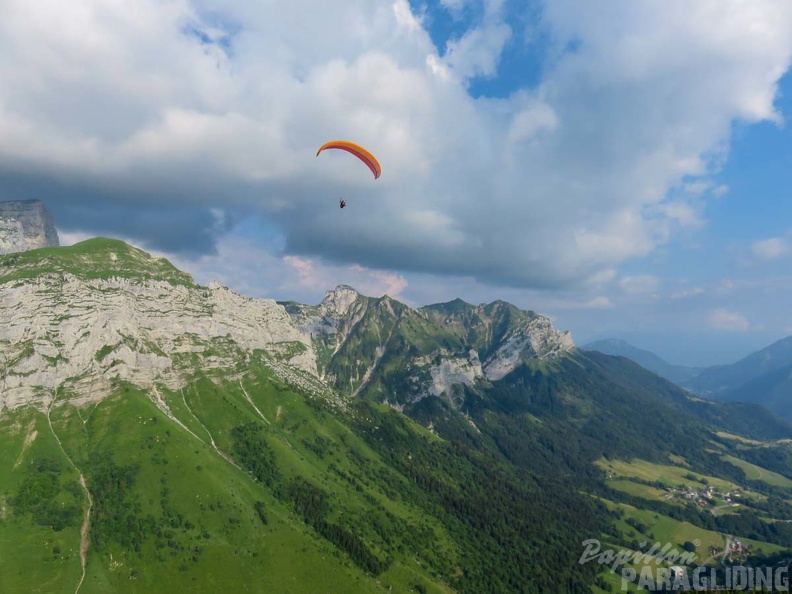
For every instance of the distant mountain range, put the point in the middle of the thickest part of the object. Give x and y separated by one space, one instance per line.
678 374
763 377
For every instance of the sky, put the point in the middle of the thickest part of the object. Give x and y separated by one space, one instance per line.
623 167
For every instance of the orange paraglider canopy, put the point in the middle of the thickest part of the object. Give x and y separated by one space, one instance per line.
356 150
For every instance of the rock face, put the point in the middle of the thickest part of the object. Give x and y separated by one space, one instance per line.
384 349
98 316
12 236
25 225
77 320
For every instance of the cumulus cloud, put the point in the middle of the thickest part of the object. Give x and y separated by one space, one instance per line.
138 117
728 319
253 268
477 52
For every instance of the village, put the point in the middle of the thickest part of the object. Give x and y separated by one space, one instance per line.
707 497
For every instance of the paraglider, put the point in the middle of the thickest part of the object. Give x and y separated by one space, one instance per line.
357 150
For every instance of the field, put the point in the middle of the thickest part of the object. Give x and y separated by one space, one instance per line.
757 473
671 476
641 479
658 528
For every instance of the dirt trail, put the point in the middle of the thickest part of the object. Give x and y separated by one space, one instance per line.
84 532
29 439
220 452
250 400
87 521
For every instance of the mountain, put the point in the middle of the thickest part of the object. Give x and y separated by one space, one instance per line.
719 379
619 348
25 225
385 348
161 435
772 390
455 356
113 312
762 378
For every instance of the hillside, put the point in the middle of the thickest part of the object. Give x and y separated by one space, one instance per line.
720 379
772 390
160 435
647 359
761 380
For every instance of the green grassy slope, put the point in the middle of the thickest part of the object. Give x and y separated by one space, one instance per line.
261 490
170 512
99 257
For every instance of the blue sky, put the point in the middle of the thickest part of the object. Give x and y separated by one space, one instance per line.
623 168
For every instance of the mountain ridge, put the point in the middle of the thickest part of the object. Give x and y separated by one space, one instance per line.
651 361
124 315
761 378
353 438
720 378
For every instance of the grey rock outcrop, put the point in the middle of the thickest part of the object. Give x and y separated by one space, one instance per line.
12 236
74 327
25 225
61 331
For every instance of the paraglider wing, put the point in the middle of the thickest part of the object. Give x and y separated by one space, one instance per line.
356 150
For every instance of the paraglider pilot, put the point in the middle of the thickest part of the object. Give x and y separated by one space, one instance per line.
341 203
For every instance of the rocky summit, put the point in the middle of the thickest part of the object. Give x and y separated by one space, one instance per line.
76 318
25 225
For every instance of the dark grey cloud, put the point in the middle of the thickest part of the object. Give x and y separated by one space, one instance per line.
159 220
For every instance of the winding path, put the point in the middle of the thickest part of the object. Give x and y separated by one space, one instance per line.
84 532
84 542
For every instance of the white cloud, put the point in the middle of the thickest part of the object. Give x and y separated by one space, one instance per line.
682 213
454 5
599 302
640 284
698 187
720 191
550 186
602 277
770 249
692 292
70 238
536 116
726 286
252 268
477 52
728 319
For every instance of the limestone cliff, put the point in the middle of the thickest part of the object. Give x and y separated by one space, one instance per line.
401 355
77 320
25 225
